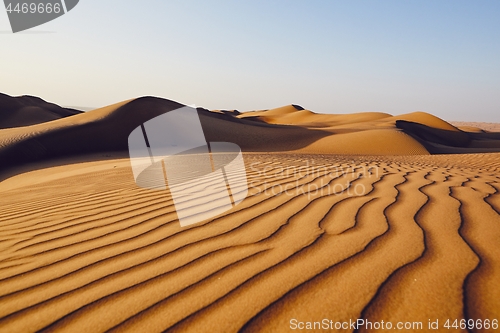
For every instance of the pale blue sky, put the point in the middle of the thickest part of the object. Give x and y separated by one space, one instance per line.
441 57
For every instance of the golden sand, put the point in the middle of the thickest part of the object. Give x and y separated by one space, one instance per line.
83 248
348 217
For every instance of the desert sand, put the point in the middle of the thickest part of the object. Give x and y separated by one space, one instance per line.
364 216
476 126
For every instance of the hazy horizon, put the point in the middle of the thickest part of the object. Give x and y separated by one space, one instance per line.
342 57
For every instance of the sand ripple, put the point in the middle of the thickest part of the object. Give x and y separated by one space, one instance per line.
381 238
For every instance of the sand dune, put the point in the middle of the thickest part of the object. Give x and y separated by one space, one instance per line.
476 126
107 129
347 217
289 128
29 110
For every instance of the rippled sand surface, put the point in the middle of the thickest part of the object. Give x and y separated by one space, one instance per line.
412 238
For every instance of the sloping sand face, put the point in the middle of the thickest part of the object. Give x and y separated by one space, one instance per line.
398 239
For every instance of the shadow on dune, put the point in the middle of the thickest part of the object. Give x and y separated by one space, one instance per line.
29 110
439 141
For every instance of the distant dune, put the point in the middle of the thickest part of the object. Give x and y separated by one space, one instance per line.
29 110
347 217
476 126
